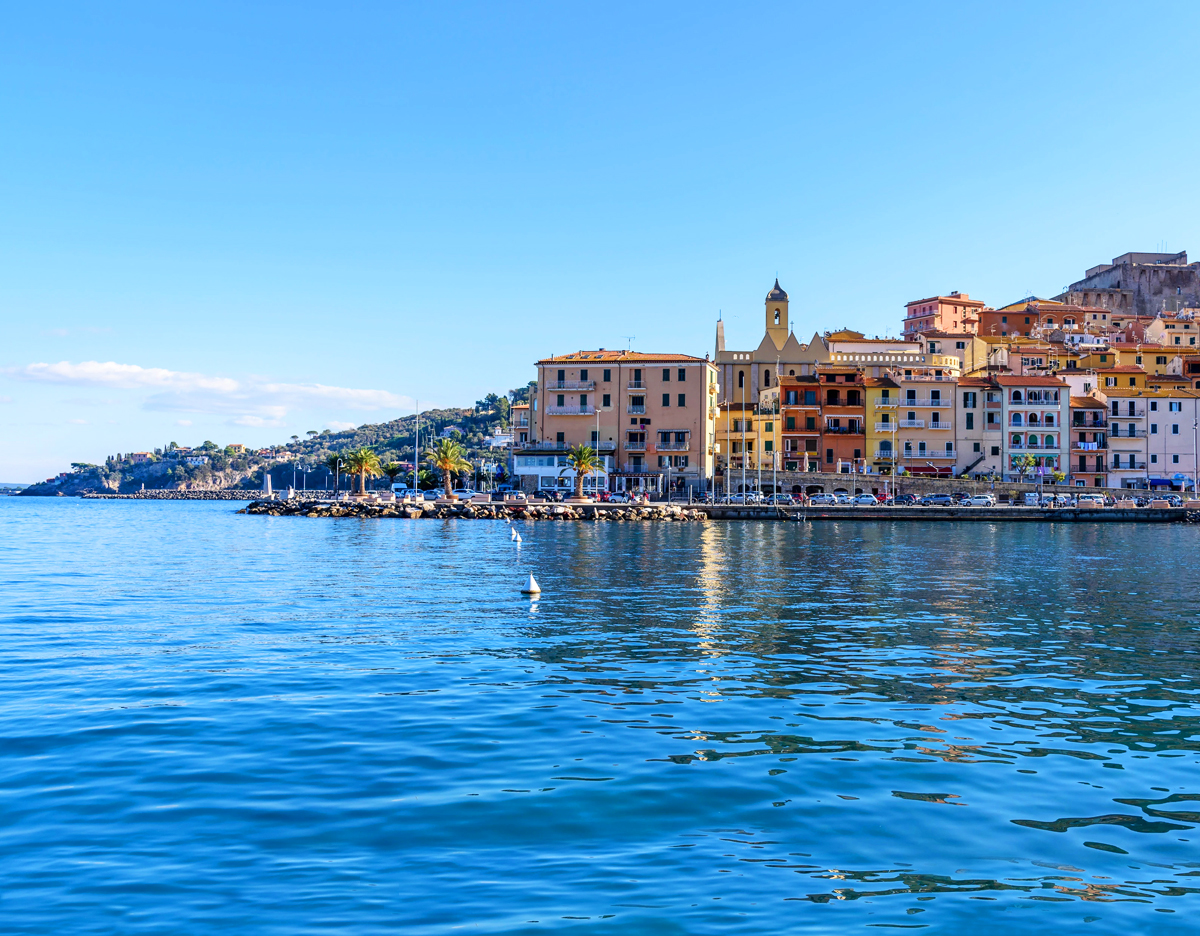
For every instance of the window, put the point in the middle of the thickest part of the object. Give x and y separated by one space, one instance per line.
607 375
1153 429
560 437
607 399
993 419
1004 319
791 398
829 456
995 450
810 423
666 375
682 373
1161 359
562 400
1174 428
769 427
562 377
583 399
1174 406
959 345
969 400
682 401
1153 406
766 378
1138 360
1103 357
1174 459
583 374
1133 381
666 399
741 379
769 445
791 423
1154 459
976 447
970 420
810 397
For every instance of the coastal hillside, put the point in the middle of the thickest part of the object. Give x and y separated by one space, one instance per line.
300 460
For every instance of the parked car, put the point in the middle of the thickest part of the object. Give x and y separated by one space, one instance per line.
980 500
400 489
937 500
618 497
843 499
545 494
1173 499
865 500
463 493
823 500
780 500
430 495
1090 500
904 500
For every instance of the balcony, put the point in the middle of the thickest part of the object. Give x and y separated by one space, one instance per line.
672 447
635 445
571 385
940 425
1129 414
933 453
991 404
912 424
886 404
881 453
1127 434
636 385
927 401
1092 425
1089 446
1138 466
638 468
575 410
636 408
843 430
945 378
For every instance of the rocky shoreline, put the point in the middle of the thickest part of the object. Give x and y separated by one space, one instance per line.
223 494
469 511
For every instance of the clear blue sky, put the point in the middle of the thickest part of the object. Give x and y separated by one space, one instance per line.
258 221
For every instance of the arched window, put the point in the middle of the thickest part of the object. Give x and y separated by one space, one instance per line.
1048 419
1016 396
741 378
885 445
1016 419
1016 441
1033 419
767 377
1050 442
776 316
792 373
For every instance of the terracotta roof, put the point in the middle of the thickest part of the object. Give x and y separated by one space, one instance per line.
1086 402
880 382
620 357
1122 369
974 382
1029 381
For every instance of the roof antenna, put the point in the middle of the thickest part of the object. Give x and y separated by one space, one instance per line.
628 340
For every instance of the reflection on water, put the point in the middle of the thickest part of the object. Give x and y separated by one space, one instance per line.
263 724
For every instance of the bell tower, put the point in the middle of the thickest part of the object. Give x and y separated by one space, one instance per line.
777 315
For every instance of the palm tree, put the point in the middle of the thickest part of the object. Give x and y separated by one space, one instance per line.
333 461
447 456
583 460
391 469
362 462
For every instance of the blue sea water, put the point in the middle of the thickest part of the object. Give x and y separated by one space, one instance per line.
222 723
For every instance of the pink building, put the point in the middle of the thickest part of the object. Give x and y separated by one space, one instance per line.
957 312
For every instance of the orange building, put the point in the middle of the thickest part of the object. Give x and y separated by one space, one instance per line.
800 415
843 418
957 312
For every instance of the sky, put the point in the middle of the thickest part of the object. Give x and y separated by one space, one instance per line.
239 222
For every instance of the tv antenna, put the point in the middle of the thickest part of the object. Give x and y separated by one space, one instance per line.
628 340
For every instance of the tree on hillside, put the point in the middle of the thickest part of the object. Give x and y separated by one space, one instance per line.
311 433
448 457
583 460
362 462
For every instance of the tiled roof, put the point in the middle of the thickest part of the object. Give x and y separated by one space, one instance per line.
1029 381
1086 402
619 357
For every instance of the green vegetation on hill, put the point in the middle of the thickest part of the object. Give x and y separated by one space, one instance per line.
315 453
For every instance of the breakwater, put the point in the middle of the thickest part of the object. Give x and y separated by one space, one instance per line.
474 511
165 494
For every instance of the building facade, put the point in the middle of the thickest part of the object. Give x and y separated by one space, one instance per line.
1034 410
957 312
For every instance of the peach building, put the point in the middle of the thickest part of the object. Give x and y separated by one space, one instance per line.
651 417
957 312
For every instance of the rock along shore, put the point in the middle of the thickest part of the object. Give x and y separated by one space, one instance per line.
223 494
470 511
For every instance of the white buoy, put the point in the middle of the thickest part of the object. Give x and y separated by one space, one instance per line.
531 587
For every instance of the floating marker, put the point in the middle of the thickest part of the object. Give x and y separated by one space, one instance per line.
531 587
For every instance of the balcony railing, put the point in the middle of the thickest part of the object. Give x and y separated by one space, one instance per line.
926 401
639 468
1138 466
912 424
1086 425
672 447
632 445
945 378
843 430
636 408
572 385
575 410
1135 414
940 425
889 403
886 427
932 453
636 385
1127 434
882 453
991 404
1089 446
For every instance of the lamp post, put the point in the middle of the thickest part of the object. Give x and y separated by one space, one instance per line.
1195 470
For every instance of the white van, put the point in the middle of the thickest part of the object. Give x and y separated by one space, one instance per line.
400 489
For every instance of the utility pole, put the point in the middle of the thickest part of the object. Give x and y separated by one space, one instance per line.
743 413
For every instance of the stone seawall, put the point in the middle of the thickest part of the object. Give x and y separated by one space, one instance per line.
159 494
470 511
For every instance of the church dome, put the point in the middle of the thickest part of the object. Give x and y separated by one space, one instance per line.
777 294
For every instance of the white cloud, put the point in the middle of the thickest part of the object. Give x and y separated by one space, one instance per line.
77 422
339 426
183 422
253 401
5 399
